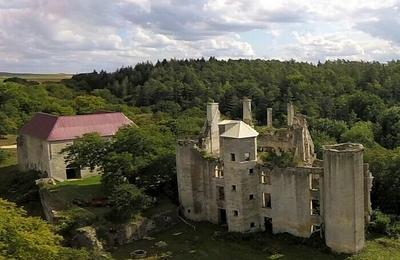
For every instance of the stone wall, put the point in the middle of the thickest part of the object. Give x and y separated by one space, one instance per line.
291 197
343 197
33 154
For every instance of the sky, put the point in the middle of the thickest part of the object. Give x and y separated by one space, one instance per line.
71 36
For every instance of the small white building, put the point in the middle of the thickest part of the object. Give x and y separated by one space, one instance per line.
41 140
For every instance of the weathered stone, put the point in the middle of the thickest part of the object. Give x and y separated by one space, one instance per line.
86 237
237 190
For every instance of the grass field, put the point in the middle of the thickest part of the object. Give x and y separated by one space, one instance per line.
35 77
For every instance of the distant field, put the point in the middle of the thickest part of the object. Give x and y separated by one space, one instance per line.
35 77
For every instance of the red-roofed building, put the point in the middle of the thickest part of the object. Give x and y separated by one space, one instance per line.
44 136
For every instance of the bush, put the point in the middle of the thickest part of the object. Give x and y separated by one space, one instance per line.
74 218
3 156
380 222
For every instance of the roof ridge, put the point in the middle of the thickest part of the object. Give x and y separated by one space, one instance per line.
93 114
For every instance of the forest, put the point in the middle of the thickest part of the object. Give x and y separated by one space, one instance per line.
343 101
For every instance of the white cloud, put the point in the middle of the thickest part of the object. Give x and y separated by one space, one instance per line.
75 35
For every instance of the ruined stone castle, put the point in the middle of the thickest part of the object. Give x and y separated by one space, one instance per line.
228 177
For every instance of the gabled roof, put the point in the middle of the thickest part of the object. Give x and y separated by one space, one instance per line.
228 121
56 128
240 130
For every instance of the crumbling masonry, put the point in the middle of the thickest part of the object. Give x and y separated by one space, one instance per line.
226 178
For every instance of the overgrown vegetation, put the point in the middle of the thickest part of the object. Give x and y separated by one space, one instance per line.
24 237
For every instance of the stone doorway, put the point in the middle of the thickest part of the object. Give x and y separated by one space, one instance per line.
222 220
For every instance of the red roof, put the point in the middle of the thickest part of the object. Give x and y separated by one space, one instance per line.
57 128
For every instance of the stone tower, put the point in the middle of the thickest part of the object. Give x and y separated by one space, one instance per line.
212 129
343 197
247 116
240 159
290 114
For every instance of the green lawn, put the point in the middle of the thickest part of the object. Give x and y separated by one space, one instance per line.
63 194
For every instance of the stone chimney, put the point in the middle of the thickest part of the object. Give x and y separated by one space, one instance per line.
247 116
290 114
269 117
213 118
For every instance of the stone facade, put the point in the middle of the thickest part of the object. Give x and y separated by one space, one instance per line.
44 156
232 186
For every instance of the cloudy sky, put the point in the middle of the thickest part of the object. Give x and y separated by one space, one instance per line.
82 35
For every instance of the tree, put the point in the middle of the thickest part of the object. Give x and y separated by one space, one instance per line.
89 104
88 151
24 237
127 200
360 132
390 128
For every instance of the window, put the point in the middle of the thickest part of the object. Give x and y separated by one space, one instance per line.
221 193
219 171
188 211
266 200
252 224
233 187
251 197
266 177
251 171
315 207
236 213
314 181
315 228
247 156
233 157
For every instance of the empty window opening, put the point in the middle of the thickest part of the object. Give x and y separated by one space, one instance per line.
236 213
221 193
73 172
314 181
247 156
233 187
251 197
266 200
233 157
188 211
315 228
251 171
315 207
252 224
219 171
266 177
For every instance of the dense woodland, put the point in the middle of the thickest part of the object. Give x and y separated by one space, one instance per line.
344 101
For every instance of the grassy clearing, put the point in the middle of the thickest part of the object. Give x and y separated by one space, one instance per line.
64 193
202 244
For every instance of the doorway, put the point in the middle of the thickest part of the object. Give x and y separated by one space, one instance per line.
73 172
268 224
222 217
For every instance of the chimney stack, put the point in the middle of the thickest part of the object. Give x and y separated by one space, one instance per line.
213 118
269 117
247 116
290 114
